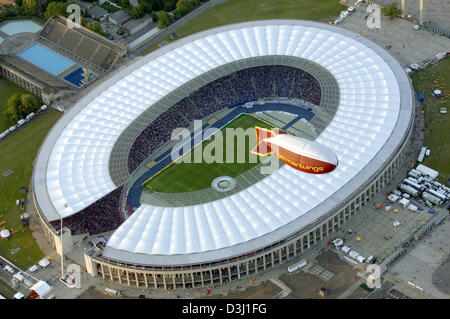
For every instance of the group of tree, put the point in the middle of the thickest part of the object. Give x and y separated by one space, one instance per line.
20 105
392 11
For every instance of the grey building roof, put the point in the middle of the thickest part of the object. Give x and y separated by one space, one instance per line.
97 12
120 16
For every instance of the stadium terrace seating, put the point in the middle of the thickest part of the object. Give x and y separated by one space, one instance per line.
236 88
102 216
82 43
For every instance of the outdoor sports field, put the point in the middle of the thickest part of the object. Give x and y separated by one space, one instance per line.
188 177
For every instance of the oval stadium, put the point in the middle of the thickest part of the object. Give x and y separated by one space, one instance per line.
107 165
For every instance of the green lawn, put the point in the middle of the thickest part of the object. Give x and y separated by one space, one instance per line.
437 133
235 11
187 177
7 89
17 152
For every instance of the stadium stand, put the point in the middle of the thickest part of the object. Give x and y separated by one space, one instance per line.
236 88
102 216
83 43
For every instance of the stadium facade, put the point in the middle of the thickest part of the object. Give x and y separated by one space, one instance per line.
265 225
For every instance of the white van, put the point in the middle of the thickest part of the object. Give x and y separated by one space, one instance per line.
345 249
9 269
19 295
18 277
110 291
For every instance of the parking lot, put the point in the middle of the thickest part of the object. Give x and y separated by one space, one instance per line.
408 46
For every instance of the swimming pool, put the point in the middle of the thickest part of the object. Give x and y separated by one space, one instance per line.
15 27
45 58
76 77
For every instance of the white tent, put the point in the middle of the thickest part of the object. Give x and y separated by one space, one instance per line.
4 233
404 202
41 288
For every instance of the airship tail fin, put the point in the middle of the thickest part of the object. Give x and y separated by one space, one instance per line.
262 148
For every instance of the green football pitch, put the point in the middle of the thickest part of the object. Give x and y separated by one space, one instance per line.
189 175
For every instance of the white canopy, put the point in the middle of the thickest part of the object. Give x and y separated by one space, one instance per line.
41 288
4 233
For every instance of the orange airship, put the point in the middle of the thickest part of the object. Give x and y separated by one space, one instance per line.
302 154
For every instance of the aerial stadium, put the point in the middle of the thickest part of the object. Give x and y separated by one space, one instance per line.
105 167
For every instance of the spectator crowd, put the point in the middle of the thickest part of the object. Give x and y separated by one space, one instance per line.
102 216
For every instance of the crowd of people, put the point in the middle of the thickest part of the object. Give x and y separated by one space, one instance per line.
102 216
237 88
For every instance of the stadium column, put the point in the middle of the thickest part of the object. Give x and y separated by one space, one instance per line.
246 267
103 271
173 281
201 276
273 262
192 279
301 244
110 273
137 278
128 277
154 280
184 282
145 280
118 275
164 281
264 261
220 276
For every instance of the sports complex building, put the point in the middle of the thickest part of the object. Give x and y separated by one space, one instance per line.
310 79
54 61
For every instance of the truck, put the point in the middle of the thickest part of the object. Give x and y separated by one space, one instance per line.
297 266
431 198
421 154
361 259
112 292
437 194
353 254
411 183
408 189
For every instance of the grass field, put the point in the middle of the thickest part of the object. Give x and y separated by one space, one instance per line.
437 133
7 89
17 152
187 177
235 11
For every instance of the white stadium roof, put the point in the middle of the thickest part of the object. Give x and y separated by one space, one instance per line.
374 112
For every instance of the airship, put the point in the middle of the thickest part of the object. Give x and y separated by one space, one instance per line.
302 154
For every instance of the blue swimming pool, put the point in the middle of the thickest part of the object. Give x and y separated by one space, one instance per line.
45 58
76 77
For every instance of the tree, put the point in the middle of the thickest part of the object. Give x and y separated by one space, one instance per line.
55 9
94 26
137 12
20 105
30 6
184 6
392 11
164 19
